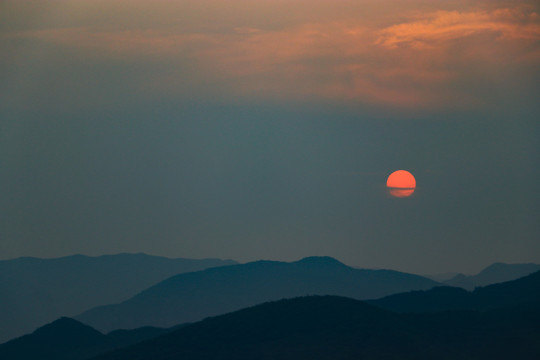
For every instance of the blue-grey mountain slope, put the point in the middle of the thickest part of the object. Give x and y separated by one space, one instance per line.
193 296
36 291
495 273
521 293
505 325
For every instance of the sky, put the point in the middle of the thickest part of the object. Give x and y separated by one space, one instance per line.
267 129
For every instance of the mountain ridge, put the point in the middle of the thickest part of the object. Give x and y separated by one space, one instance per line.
319 327
193 296
520 292
69 339
333 327
495 273
36 291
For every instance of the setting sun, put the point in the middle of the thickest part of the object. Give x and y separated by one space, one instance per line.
401 183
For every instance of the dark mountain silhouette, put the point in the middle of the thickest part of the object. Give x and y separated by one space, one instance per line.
495 273
329 327
69 339
523 292
316 327
193 296
122 337
36 291
62 339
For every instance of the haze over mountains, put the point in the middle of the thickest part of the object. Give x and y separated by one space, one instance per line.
523 292
496 321
193 296
36 291
321 327
495 273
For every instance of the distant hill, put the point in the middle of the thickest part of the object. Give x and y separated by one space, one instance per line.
441 277
523 292
36 291
68 339
317 327
193 296
495 273
329 327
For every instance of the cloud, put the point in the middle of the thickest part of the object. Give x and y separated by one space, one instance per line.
434 29
420 59
424 62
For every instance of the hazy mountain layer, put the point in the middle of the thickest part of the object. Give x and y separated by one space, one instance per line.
36 291
194 296
523 292
339 328
493 274
318 327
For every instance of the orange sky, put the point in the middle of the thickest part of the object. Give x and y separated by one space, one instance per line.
402 54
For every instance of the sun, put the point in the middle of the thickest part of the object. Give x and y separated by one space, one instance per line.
401 183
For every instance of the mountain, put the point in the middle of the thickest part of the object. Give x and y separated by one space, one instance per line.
441 277
62 339
36 291
193 296
523 292
495 273
69 339
315 327
329 327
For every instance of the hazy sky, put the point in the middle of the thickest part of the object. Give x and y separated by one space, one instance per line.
251 129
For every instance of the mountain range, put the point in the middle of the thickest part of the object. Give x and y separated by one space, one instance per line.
36 291
329 327
495 273
499 321
69 339
523 292
193 296
312 327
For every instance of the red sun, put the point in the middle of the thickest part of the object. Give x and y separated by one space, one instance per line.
401 183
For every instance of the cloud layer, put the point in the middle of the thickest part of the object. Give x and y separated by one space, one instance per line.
415 56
